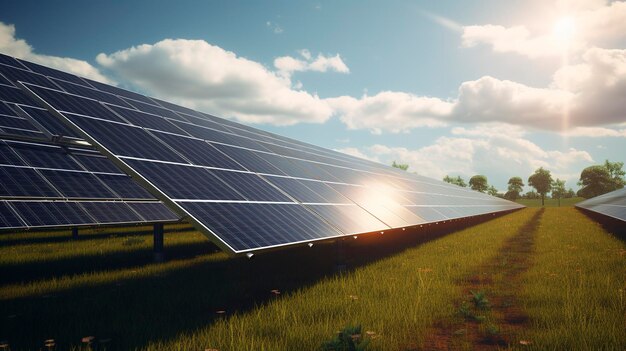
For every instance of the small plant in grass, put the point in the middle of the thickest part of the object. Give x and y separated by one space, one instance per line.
480 300
348 339
492 329
465 310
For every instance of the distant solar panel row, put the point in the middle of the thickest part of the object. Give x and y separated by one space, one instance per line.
611 204
246 189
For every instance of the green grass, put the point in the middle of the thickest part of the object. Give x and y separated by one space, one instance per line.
575 291
550 202
400 283
105 285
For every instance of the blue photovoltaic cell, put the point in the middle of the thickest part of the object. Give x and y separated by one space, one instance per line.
14 75
53 72
429 214
248 226
117 91
8 219
15 95
124 186
90 93
251 186
74 104
111 212
125 140
47 213
198 151
296 189
37 155
248 159
185 182
96 163
350 219
8 60
24 182
147 120
16 123
153 211
156 110
206 123
6 110
8 156
219 137
52 124
77 184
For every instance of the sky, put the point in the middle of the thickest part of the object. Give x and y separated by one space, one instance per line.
498 88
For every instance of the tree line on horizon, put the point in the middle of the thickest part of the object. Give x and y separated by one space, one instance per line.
594 180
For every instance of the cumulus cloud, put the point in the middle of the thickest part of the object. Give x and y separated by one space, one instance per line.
209 78
596 132
391 111
286 65
19 48
499 156
589 93
586 22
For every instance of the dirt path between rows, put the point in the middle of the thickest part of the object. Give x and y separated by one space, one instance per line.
488 316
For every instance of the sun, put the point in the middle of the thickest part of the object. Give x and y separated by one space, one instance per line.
564 29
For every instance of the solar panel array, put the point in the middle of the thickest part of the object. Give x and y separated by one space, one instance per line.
245 188
611 204
48 178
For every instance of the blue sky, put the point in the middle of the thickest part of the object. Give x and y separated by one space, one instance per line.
492 87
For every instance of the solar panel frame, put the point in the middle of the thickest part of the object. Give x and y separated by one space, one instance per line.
611 205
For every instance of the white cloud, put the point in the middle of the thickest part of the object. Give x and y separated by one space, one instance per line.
391 111
19 48
583 22
209 78
590 93
498 156
286 65
595 132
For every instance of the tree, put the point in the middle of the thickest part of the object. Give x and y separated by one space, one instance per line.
492 191
541 180
479 183
516 185
456 181
402 166
596 180
558 189
532 195
616 172
570 193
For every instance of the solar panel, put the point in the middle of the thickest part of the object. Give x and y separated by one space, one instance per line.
44 183
244 188
611 204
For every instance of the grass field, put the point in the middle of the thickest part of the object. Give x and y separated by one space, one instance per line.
550 202
545 279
